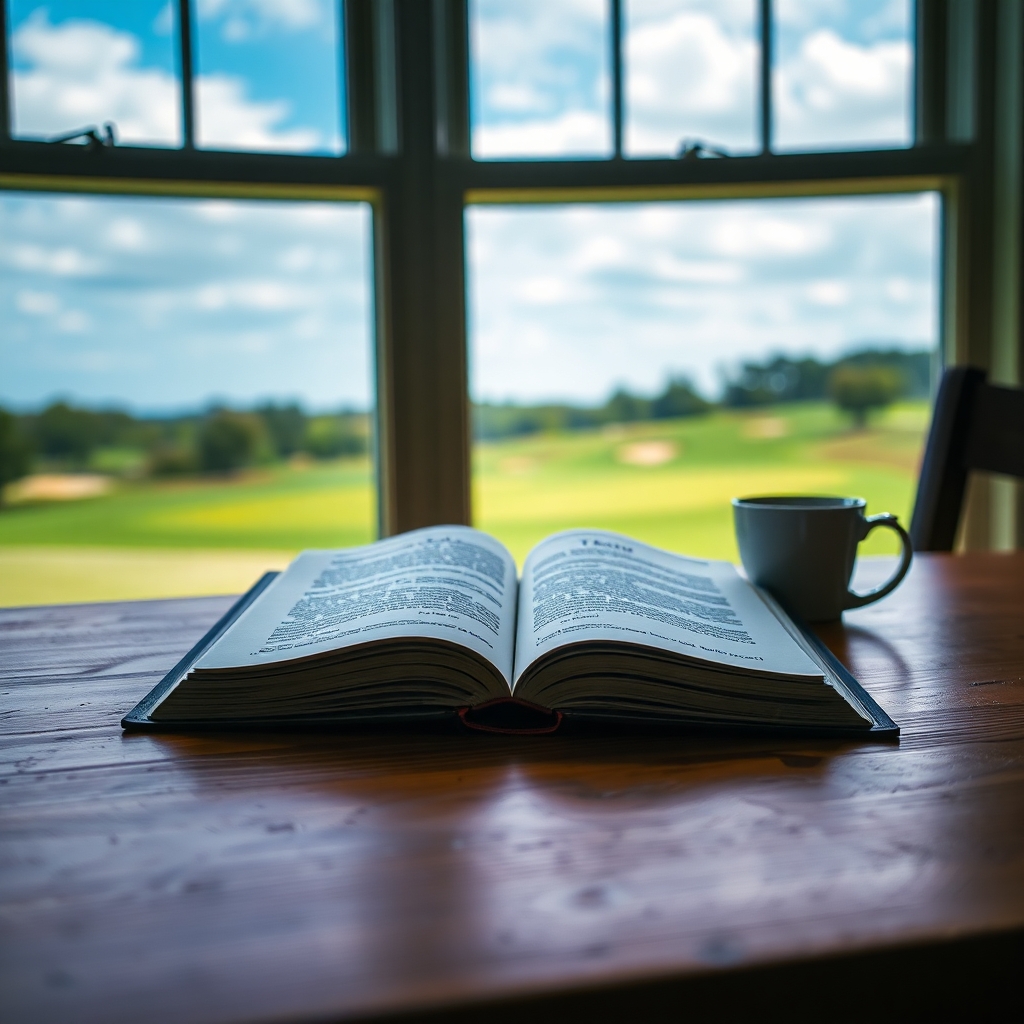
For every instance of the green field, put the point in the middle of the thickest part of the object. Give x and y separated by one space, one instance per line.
666 482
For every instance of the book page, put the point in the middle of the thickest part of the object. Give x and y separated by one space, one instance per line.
593 585
448 582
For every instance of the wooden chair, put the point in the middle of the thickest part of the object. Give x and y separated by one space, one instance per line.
975 425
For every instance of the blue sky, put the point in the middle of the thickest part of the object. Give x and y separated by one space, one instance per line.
165 304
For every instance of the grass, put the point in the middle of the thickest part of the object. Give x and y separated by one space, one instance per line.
666 482
528 489
58 574
285 507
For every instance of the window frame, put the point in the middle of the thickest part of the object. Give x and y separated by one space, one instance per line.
408 156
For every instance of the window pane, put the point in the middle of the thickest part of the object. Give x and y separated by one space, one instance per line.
691 70
842 74
540 78
267 76
85 63
582 317
191 317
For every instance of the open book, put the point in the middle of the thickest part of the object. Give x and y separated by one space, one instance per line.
436 623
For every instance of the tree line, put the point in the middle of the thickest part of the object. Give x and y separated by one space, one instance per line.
221 440
857 383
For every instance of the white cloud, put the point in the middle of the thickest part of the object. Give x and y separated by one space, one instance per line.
127 234
163 23
226 117
297 259
753 234
514 96
514 40
61 261
265 295
600 252
900 289
668 268
48 306
574 132
220 211
828 293
542 291
86 73
74 321
733 15
837 91
248 17
863 19
689 76
37 303
236 30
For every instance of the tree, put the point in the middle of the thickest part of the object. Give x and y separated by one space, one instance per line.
228 441
15 451
859 389
65 433
678 399
168 458
286 426
329 437
623 407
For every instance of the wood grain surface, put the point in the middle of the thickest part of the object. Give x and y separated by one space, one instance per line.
321 877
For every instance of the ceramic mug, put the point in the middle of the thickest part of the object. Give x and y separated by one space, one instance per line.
802 550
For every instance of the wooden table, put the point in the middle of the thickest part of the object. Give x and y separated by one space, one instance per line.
240 878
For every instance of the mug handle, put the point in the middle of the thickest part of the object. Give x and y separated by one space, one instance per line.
885 519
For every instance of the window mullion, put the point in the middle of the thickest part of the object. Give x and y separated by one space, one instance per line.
930 71
5 94
617 73
766 76
421 350
360 76
188 108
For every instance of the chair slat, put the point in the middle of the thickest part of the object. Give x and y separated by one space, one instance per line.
975 425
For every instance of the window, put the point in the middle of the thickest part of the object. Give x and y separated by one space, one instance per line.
649 78
77 65
843 75
194 376
541 77
428 117
597 332
267 76
692 73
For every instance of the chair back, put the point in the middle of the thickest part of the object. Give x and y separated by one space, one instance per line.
975 425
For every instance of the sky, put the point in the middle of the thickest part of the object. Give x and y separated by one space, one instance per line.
166 304
163 304
600 296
